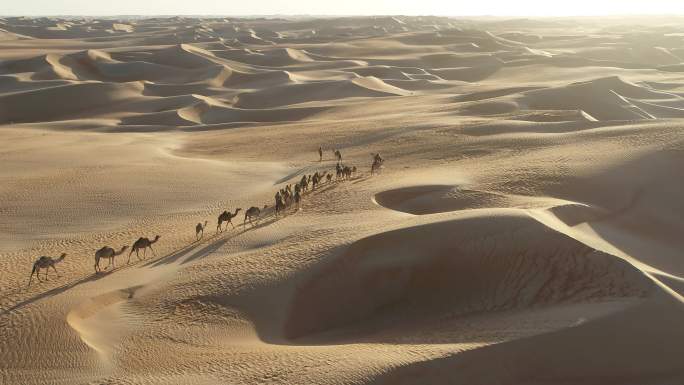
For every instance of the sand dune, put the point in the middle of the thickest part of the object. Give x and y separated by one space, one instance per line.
525 227
39 105
417 271
524 364
319 91
603 99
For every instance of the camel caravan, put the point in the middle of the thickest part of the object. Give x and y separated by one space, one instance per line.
286 198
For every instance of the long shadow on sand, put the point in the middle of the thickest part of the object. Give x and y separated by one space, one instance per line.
51 292
186 252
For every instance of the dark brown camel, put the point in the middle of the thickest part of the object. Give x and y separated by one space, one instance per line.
226 216
142 243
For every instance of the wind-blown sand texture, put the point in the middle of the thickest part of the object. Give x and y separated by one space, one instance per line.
526 228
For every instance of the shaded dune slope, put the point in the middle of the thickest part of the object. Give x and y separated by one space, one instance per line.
458 267
39 105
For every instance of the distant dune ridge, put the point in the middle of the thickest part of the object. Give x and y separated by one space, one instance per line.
524 228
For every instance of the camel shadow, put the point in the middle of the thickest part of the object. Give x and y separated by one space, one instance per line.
52 292
360 179
324 188
206 250
264 221
171 257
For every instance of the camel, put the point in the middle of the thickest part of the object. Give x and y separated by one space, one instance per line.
338 155
252 212
142 243
315 180
377 163
376 166
226 216
199 230
107 253
304 182
279 205
45 263
347 172
338 170
287 198
328 176
297 199
320 154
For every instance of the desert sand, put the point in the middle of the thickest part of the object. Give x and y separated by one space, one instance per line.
526 227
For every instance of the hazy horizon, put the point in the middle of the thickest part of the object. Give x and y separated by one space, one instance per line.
522 8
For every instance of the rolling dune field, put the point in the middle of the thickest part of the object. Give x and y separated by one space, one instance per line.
525 228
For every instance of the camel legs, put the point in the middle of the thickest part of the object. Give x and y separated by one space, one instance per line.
153 253
55 269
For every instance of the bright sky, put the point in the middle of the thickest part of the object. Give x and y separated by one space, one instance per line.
342 7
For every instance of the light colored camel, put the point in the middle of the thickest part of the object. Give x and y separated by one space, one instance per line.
142 243
199 230
252 212
107 253
45 263
226 216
